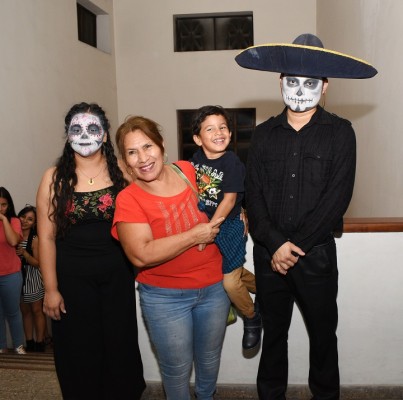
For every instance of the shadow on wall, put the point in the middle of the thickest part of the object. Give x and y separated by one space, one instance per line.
352 111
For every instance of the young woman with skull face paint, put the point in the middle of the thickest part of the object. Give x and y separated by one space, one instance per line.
89 283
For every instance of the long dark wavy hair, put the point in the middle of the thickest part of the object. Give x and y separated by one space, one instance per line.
65 177
5 194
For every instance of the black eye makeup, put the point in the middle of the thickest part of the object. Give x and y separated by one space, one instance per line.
291 81
75 130
94 129
312 83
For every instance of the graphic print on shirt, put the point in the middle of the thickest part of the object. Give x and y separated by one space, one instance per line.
180 217
208 183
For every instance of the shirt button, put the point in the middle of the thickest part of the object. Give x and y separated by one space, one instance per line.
294 154
291 196
293 175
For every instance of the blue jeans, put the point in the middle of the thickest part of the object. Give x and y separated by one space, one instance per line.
10 294
186 326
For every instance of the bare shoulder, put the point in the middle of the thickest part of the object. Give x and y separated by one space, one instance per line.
45 187
48 174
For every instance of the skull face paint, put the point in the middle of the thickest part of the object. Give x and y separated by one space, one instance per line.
301 93
85 134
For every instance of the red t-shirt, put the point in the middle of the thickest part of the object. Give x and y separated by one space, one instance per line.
9 261
167 216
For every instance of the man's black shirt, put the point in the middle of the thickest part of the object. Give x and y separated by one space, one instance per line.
299 184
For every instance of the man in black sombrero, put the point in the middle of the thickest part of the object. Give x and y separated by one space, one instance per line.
300 178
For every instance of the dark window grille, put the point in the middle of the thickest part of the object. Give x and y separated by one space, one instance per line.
213 32
243 122
87 26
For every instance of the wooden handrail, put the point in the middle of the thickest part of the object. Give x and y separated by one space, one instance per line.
373 224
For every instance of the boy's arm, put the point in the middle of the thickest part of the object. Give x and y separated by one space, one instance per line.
225 207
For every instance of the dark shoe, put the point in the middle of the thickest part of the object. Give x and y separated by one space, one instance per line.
252 330
30 345
39 347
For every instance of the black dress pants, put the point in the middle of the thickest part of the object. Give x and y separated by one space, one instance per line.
312 283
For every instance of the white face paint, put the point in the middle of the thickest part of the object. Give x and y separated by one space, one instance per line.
301 93
85 134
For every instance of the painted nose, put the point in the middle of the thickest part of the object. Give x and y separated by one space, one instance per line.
300 92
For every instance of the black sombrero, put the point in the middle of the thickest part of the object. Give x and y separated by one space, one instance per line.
306 56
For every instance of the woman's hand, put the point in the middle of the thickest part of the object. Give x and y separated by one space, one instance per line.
12 236
20 251
206 232
143 250
53 304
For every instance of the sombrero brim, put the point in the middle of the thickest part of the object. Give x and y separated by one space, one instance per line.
300 60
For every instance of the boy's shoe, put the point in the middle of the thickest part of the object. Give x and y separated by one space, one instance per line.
20 350
252 330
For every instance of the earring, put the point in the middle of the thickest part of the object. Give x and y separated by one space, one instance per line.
324 100
165 158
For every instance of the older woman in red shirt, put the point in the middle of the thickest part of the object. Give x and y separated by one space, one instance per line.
180 268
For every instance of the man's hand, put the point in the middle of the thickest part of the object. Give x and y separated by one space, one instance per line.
285 257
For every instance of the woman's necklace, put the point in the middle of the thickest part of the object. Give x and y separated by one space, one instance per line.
91 179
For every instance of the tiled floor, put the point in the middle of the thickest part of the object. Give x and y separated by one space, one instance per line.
32 377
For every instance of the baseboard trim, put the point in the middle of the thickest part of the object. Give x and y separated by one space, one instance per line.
295 392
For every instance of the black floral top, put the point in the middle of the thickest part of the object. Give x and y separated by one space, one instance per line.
97 205
88 247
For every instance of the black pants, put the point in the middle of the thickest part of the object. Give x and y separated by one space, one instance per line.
95 344
312 283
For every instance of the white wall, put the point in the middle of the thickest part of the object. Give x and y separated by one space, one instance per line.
371 30
44 70
370 329
154 81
